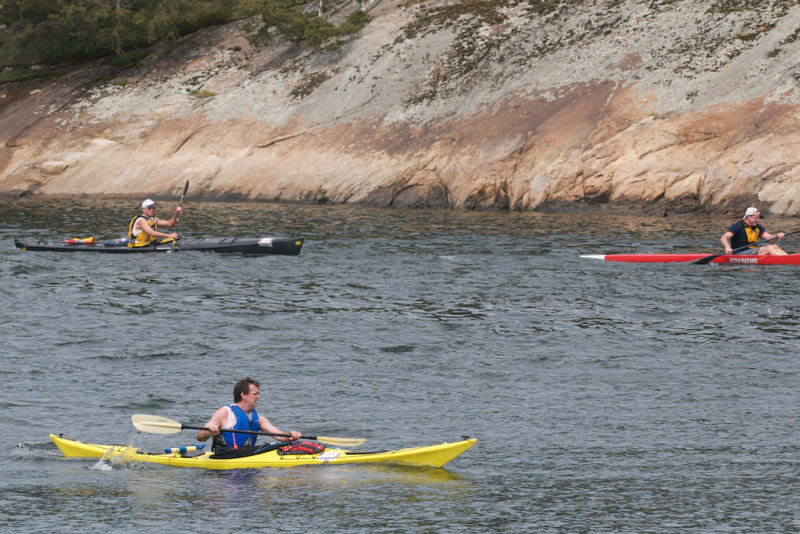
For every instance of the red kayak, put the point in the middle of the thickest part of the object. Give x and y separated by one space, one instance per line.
791 259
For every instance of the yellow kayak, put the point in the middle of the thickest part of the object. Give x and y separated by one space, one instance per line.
432 455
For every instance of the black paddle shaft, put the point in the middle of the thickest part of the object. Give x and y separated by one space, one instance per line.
247 432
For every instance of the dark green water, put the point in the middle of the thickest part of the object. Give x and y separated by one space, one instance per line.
605 397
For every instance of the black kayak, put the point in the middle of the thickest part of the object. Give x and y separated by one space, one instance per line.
284 246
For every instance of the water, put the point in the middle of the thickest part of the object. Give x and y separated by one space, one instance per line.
605 397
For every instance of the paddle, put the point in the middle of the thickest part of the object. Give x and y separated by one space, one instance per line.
708 259
155 424
178 217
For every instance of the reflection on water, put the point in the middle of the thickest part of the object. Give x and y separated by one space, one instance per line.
229 483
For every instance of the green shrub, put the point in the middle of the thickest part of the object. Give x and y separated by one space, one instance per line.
12 75
54 31
201 93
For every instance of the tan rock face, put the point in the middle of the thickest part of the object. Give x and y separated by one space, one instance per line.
663 109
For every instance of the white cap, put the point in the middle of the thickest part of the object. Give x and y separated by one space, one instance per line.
749 212
149 203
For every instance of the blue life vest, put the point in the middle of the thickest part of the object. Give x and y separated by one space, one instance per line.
235 440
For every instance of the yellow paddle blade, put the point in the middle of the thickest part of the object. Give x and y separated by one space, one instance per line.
155 424
340 442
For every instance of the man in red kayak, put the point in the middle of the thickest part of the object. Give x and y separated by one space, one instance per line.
748 231
241 416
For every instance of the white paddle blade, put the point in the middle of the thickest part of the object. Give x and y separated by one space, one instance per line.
154 424
341 442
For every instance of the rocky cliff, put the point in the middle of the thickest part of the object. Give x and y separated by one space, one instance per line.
655 106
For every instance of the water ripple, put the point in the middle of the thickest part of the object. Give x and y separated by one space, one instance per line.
606 398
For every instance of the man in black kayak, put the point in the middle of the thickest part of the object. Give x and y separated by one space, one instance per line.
143 229
241 416
747 231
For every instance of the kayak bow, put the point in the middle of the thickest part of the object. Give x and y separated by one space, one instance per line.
791 259
433 456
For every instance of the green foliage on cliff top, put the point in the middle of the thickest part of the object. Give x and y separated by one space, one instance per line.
299 25
56 31
52 31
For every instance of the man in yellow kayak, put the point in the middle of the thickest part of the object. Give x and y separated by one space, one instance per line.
143 229
748 231
241 416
